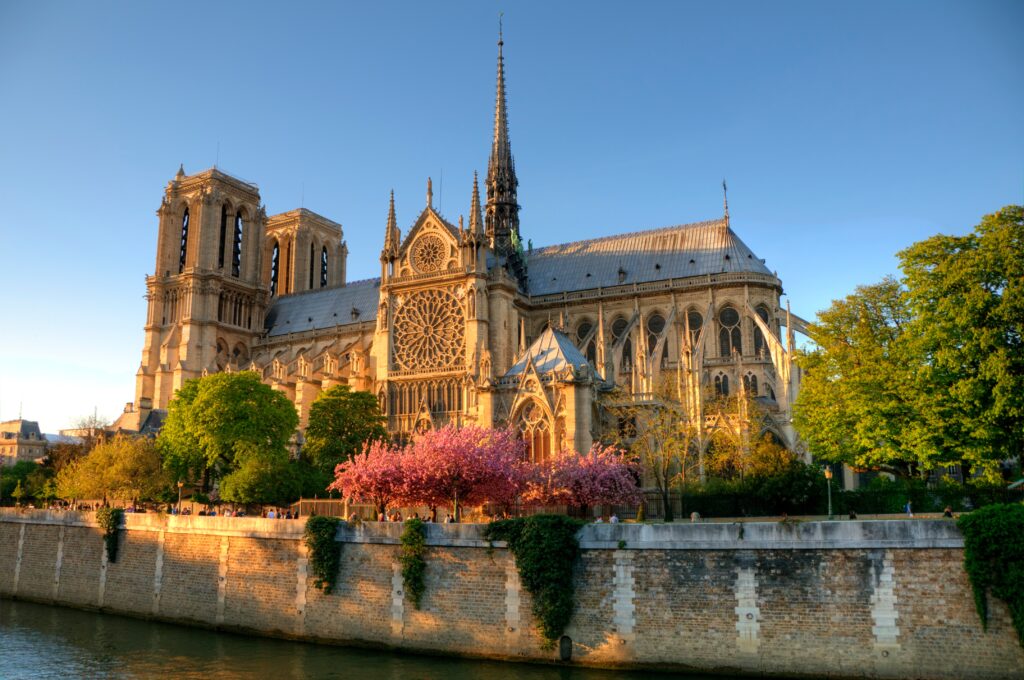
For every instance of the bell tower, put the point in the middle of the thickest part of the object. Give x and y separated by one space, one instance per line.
205 298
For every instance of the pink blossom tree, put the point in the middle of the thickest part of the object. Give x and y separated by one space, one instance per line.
602 476
377 475
467 466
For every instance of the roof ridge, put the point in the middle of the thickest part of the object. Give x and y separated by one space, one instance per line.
639 232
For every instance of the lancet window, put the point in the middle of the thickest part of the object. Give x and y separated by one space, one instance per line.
236 253
590 351
730 338
184 241
695 321
750 384
223 235
721 385
275 263
312 264
534 429
759 343
323 266
443 398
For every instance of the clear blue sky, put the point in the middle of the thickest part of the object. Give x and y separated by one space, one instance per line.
846 132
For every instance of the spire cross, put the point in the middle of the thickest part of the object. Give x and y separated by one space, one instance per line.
725 199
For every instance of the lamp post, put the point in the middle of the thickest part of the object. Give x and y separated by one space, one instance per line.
181 484
828 483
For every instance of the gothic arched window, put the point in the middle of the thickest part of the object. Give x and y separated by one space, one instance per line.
223 234
750 384
582 331
759 343
655 325
721 386
184 241
729 336
323 266
275 265
694 320
535 430
236 252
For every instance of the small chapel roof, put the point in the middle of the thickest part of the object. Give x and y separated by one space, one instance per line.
680 251
323 308
553 351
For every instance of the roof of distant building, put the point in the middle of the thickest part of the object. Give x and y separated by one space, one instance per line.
24 429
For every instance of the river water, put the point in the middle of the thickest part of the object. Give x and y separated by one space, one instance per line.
41 641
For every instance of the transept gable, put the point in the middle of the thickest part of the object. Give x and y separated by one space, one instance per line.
431 246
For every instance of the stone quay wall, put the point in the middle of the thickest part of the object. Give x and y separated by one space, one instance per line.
885 599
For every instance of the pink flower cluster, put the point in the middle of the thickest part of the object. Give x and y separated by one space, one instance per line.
472 466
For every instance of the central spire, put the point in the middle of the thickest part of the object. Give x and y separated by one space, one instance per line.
502 211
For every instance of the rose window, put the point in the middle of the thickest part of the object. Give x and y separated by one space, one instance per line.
429 331
428 253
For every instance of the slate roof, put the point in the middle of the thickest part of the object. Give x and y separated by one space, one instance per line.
552 351
323 308
680 251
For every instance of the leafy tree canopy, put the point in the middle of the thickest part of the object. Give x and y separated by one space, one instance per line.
925 371
340 421
215 424
123 468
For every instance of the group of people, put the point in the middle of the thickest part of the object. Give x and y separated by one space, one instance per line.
613 519
396 516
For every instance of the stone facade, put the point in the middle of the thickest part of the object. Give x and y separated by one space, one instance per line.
21 440
468 322
842 599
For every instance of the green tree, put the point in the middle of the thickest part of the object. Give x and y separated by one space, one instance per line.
11 477
857 402
926 371
123 468
216 424
340 422
262 481
966 294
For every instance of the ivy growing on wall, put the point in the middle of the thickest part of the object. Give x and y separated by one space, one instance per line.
109 520
412 559
545 548
994 558
324 551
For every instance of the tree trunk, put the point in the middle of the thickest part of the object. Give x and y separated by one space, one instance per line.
667 502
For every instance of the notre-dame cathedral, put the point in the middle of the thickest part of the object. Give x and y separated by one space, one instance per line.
466 324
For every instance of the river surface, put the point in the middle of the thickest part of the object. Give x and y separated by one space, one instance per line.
41 641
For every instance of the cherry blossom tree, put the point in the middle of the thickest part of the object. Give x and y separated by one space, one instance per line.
378 475
467 466
602 476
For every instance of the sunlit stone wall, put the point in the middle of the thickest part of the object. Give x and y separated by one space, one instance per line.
849 599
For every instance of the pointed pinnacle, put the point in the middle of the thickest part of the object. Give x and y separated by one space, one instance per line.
476 223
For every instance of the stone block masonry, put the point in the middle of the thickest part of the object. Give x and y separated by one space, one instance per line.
842 599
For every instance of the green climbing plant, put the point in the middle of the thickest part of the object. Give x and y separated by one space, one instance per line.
413 559
545 548
110 520
994 558
324 551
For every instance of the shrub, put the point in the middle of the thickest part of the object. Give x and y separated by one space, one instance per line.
994 559
110 520
324 551
545 549
412 558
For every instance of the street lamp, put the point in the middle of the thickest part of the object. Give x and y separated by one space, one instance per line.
828 483
181 484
